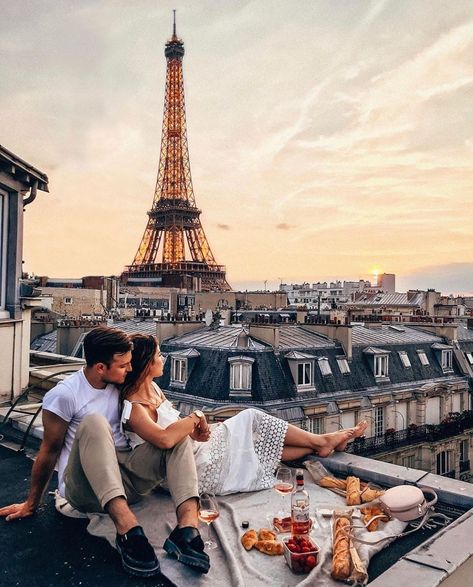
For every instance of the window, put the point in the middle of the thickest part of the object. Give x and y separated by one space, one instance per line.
179 370
404 359
240 376
424 360
343 365
3 247
409 461
447 360
469 356
381 366
379 421
304 374
68 301
444 463
464 450
316 425
324 366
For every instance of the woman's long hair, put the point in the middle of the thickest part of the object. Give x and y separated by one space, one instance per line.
143 353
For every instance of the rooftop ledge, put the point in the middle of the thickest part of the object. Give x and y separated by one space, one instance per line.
446 557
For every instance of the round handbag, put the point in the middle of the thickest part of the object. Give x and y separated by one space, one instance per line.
407 502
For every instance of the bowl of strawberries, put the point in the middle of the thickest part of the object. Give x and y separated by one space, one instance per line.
301 553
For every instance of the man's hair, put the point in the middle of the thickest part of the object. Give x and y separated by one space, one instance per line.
100 344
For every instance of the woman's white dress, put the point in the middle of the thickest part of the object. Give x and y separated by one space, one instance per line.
241 454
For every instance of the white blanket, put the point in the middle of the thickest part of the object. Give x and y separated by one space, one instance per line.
231 565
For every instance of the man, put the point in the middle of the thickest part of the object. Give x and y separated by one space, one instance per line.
97 471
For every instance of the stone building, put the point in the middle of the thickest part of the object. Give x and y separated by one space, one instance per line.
19 184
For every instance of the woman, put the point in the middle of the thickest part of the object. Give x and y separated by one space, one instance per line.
239 454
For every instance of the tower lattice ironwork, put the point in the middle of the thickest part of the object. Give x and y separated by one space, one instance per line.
174 219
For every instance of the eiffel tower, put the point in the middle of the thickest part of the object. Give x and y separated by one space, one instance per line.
174 219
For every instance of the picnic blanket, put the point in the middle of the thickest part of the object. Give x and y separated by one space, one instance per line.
231 565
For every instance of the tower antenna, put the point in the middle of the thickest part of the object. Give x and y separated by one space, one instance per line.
174 25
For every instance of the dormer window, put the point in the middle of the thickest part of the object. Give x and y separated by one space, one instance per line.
381 366
304 374
405 359
179 370
447 360
423 358
302 369
241 371
469 356
343 365
444 354
324 366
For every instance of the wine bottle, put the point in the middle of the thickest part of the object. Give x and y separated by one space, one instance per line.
300 511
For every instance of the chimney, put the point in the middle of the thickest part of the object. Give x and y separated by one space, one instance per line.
266 333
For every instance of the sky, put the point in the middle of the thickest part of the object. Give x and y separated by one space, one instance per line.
327 138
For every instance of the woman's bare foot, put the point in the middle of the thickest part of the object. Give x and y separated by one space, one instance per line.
357 431
327 443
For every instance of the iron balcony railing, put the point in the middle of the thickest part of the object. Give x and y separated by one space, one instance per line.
390 441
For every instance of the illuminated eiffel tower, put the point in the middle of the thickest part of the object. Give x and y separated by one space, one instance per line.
174 218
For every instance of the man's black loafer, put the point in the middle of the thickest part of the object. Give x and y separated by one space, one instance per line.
138 556
187 546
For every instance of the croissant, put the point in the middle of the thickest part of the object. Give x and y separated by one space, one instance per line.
271 547
369 494
353 491
332 483
265 534
341 559
371 512
249 539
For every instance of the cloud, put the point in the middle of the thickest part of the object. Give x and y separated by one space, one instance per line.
224 226
285 226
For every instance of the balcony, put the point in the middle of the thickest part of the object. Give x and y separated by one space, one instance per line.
413 435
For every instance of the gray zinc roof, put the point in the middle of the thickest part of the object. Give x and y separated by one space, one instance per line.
388 299
464 333
221 337
296 337
387 335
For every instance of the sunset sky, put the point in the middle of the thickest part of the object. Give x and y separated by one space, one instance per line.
328 138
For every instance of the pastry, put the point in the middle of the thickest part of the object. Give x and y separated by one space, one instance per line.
369 513
332 483
271 547
369 494
249 539
341 559
353 491
265 534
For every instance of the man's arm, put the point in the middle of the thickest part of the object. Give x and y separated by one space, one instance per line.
54 432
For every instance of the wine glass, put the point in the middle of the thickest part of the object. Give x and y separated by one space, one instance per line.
208 512
283 484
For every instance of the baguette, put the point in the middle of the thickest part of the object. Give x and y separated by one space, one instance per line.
369 513
270 547
353 491
249 539
341 559
332 483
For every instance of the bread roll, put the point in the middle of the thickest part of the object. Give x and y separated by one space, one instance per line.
341 559
270 547
353 491
249 539
371 512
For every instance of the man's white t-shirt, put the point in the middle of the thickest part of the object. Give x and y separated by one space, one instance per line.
72 400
